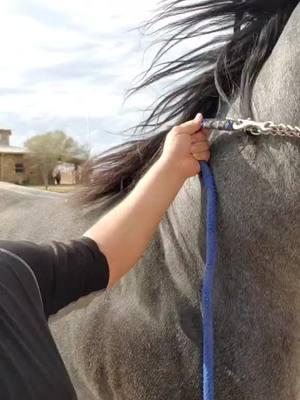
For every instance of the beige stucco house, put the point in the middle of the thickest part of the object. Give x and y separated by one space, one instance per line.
12 160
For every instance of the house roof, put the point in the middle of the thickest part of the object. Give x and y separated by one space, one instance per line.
12 150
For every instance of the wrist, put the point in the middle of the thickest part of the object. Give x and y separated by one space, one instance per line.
171 168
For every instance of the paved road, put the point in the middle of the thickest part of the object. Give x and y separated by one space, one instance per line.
33 214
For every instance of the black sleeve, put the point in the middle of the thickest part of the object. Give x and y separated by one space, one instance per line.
64 271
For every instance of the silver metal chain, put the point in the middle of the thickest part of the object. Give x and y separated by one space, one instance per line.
265 128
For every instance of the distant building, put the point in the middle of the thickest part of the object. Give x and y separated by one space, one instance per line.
12 160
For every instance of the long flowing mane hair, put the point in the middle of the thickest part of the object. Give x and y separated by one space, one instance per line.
242 34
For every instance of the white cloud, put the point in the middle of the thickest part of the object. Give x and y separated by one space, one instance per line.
64 63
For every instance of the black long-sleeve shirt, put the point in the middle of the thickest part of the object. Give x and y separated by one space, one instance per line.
35 282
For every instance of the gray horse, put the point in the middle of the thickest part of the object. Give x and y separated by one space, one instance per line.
142 338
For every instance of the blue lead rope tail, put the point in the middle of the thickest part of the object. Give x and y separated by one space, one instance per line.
207 287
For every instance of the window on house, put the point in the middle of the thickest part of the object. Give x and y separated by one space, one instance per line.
19 168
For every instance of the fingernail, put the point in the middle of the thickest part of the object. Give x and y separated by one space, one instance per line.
198 116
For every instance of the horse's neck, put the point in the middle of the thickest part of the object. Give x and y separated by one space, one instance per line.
257 288
181 237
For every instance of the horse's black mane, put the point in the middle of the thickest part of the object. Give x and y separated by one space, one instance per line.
227 65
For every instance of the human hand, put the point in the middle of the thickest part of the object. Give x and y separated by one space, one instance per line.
185 145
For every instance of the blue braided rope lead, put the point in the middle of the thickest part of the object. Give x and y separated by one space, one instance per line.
207 287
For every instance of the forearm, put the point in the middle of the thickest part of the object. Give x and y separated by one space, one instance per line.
124 232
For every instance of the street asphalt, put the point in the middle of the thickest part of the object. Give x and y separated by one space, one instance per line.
37 215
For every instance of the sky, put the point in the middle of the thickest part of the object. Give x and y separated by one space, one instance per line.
66 64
